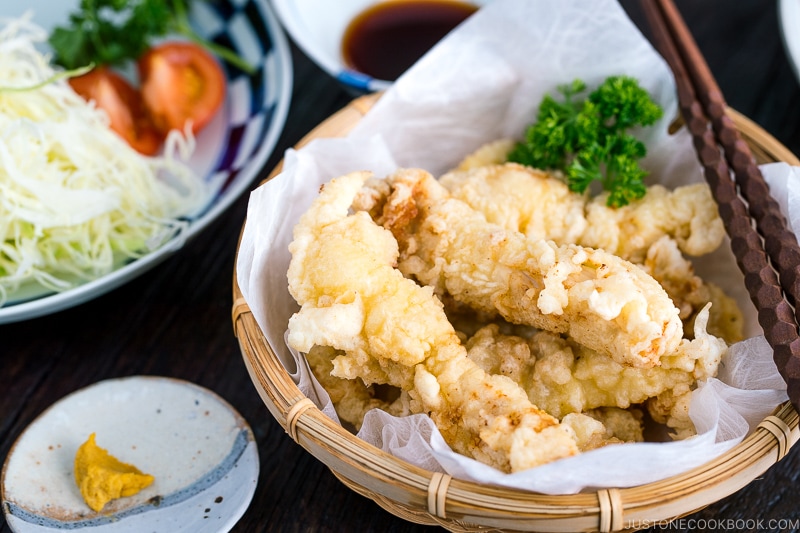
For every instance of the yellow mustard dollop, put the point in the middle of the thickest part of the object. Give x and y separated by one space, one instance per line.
102 477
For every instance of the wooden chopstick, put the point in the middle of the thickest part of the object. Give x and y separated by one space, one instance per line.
780 243
768 254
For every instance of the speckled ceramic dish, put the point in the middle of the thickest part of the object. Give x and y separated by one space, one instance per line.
200 451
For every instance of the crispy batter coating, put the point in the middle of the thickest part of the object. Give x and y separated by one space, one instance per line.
687 214
594 297
623 424
563 377
393 331
540 205
492 153
598 334
691 294
523 199
351 397
671 408
653 231
590 432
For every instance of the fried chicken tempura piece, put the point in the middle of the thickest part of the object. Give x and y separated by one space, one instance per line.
687 214
522 199
652 231
393 331
492 153
601 428
624 424
598 299
541 205
691 294
563 377
671 408
351 397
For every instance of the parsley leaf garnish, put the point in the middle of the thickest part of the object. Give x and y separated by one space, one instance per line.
588 139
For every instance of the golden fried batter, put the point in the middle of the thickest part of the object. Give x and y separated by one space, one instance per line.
601 334
594 297
653 231
393 331
691 294
351 397
492 153
540 205
563 377
523 199
687 214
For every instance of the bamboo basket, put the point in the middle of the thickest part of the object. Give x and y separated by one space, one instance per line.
432 498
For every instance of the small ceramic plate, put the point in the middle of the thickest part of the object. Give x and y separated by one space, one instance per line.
231 150
789 15
199 449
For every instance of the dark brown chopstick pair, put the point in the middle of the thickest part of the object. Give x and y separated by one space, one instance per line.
767 253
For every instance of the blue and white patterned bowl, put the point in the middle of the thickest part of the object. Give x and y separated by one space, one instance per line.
231 150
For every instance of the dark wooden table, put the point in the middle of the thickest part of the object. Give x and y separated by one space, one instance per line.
175 320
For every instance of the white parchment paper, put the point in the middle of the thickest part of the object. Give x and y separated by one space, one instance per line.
483 82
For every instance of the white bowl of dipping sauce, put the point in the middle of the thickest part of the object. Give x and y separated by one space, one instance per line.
367 44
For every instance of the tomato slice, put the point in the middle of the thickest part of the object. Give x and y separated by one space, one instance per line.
124 106
180 82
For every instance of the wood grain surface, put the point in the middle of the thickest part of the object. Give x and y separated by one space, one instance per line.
176 319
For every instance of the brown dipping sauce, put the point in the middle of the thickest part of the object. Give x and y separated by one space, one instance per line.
385 39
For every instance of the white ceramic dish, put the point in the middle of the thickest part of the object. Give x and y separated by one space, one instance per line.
231 150
789 15
201 452
317 26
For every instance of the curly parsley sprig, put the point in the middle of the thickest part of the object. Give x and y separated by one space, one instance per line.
588 139
113 32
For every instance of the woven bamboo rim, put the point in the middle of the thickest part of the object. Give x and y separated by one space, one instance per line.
431 498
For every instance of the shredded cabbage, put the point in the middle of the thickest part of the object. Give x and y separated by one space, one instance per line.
76 201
